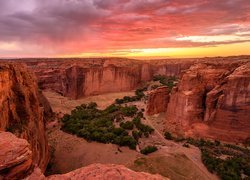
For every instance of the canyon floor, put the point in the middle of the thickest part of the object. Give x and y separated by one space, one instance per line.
70 152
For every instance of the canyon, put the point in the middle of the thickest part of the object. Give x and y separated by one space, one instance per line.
211 100
23 140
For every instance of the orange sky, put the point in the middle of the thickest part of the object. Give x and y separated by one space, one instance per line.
124 28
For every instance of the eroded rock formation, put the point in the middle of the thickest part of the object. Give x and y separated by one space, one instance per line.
15 156
21 111
212 101
158 100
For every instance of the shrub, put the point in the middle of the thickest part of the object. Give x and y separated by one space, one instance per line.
129 111
92 105
168 135
149 149
119 101
186 145
127 125
136 134
144 128
128 141
217 143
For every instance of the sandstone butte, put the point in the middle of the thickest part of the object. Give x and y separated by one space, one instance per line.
24 112
158 100
212 101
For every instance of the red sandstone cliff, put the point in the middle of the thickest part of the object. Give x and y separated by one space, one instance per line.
76 78
158 100
21 111
212 101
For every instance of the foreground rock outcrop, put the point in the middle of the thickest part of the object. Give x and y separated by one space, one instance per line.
16 163
15 157
105 172
22 112
212 101
158 100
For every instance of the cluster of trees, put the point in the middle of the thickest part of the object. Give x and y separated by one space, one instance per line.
98 125
168 81
229 169
139 94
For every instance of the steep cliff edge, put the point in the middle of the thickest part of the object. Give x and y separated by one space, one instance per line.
211 101
21 111
158 100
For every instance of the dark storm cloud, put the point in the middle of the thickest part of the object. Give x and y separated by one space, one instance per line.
49 19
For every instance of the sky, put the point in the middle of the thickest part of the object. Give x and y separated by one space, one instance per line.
124 28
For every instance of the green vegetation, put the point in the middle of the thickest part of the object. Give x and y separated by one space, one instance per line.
168 136
228 161
139 94
127 125
148 150
92 124
168 81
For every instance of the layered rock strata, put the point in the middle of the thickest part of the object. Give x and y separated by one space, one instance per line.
15 156
21 111
212 101
157 100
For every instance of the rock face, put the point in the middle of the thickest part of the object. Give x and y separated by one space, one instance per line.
158 100
105 172
15 156
76 78
212 101
21 111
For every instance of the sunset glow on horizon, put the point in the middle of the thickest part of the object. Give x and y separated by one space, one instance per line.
124 28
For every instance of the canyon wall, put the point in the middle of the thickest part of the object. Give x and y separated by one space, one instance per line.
158 100
212 101
76 78
22 112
